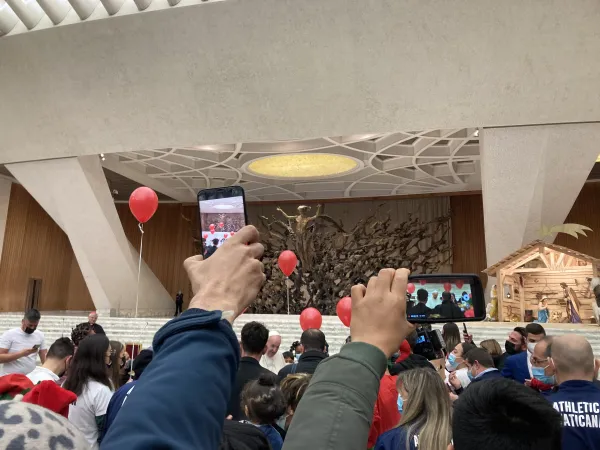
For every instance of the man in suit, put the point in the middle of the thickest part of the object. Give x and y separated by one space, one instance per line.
518 366
480 367
420 310
254 344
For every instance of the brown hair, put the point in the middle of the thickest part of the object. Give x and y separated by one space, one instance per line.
492 346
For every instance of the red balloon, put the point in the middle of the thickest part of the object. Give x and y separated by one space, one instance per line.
447 287
410 288
212 226
143 203
460 284
344 310
205 236
423 282
311 318
221 224
225 235
287 262
232 233
212 231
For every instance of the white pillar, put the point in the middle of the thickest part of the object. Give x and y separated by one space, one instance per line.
5 186
74 192
531 176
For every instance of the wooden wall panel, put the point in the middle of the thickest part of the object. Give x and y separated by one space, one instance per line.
468 235
34 247
585 211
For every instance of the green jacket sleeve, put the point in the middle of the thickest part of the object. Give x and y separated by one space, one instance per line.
337 409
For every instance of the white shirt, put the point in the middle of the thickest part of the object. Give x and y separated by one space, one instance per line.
92 403
40 374
16 340
274 364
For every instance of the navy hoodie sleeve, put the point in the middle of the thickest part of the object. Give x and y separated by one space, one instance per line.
181 400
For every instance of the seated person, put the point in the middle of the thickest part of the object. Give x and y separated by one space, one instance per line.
420 309
448 309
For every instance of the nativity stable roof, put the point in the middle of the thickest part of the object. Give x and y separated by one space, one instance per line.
536 245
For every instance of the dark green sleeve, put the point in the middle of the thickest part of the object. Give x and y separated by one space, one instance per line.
337 409
100 425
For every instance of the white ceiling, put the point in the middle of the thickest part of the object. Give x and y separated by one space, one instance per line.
415 162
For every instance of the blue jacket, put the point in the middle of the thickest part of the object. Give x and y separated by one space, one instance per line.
515 368
394 439
181 400
492 374
579 403
116 402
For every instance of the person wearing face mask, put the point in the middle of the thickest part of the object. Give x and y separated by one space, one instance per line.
518 366
19 346
480 367
426 411
543 379
57 362
576 398
456 367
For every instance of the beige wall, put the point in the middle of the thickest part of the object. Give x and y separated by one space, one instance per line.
239 71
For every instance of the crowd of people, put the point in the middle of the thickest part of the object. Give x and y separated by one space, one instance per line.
200 387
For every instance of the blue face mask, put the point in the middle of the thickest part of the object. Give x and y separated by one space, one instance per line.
470 375
400 404
538 374
452 361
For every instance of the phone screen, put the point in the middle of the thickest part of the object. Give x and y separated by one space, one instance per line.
222 214
441 298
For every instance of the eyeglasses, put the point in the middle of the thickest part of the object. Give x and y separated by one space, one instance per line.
535 360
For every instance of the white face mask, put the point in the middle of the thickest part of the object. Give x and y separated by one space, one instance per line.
531 346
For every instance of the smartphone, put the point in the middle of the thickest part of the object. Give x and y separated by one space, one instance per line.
36 346
465 329
437 298
222 214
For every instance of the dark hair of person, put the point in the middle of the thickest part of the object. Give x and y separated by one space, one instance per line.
61 348
33 315
264 400
534 328
293 346
254 337
506 415
288 355
215 242
451 335
313 339
88 364
116 374
466 348
446 296
80 332
522 332
480 355
422 295
293 388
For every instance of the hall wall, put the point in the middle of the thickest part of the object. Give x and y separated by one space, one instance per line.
35 247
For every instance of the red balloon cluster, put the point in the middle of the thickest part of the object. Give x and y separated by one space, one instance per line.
410 288
221 224
423 282
310 318
287 262
225 235
205 236
447 287
143 203
460 284
343 310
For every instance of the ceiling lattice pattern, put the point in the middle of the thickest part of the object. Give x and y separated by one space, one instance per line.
399 163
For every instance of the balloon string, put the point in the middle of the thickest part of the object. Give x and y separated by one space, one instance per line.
288 296
137 292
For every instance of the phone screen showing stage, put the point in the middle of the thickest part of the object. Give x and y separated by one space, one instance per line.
220 219
440 299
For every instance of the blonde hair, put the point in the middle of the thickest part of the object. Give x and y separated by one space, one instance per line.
293 388
492 346
427 411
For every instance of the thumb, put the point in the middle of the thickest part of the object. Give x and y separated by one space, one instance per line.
357 293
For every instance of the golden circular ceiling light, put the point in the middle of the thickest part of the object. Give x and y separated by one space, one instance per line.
303 165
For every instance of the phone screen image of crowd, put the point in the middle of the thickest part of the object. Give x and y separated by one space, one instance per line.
435 301
220 219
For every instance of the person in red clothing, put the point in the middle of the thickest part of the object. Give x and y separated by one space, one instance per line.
386 415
